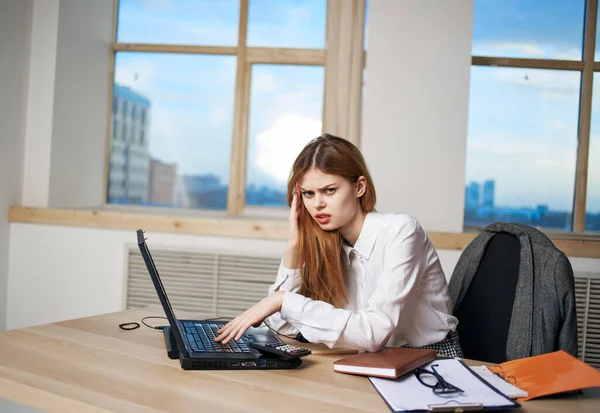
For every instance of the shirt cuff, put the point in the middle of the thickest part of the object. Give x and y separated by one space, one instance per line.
292 308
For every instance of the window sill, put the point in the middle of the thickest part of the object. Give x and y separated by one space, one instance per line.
574 245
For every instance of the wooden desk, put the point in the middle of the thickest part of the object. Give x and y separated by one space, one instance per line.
90 365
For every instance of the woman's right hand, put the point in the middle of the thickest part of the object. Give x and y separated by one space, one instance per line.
289 259
293 219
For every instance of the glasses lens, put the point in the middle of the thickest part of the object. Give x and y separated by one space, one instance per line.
446 389
428 379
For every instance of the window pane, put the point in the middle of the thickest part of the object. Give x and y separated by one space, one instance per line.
521 148
539 29
287 23
286 106
592 211
171 130
189 22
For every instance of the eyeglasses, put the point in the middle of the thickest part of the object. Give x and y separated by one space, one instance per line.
434 380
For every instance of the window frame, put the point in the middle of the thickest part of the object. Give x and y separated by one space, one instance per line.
246 56
586 66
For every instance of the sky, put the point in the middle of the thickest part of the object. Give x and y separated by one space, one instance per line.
522 128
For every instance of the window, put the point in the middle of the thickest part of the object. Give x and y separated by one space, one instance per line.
216 97
529 116
286 103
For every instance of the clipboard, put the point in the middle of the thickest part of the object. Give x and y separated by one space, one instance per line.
407 394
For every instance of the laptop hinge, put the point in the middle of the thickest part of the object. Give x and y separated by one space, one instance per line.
170 343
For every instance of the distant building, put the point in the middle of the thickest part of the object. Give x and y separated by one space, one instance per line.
508 214
265 196
488 193
128 175
472 195
201 191
163 178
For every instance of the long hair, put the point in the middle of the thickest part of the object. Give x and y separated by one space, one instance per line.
318 252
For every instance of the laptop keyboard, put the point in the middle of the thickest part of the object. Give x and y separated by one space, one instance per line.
201 337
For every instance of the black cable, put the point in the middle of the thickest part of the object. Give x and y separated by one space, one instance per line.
153 327
160 328
278 333
129 326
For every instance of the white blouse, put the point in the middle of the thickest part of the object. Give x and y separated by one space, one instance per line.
396 288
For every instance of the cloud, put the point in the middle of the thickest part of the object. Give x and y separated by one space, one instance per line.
525 50
551 83
282 141
264 83
530 49
501 146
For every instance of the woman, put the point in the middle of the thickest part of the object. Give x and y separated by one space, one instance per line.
352 277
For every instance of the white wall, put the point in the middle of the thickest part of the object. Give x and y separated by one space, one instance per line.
59 273
15 28
80 103
416 106
40 98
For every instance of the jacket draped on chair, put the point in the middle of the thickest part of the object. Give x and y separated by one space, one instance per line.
544 316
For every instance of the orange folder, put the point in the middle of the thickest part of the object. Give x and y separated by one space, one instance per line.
548 374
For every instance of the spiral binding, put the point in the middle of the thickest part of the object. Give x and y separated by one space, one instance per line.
497 370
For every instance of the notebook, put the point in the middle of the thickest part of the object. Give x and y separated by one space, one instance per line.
389 363
194 339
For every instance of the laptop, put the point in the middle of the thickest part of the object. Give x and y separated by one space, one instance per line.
194 339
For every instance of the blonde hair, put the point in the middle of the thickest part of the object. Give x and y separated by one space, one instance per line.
319 252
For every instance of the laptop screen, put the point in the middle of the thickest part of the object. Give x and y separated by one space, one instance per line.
160 290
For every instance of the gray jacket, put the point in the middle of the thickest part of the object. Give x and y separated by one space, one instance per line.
544 316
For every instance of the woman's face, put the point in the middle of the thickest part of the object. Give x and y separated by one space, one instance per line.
331 200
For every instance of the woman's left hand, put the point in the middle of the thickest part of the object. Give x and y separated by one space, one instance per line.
252 317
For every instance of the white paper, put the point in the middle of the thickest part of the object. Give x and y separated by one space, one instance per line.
407 393
499 383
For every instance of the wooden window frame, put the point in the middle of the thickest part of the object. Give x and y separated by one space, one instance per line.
246 56
586 66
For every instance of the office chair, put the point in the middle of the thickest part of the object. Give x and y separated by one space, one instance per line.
486 309
498 322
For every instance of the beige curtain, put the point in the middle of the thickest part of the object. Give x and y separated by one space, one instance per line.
344 68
